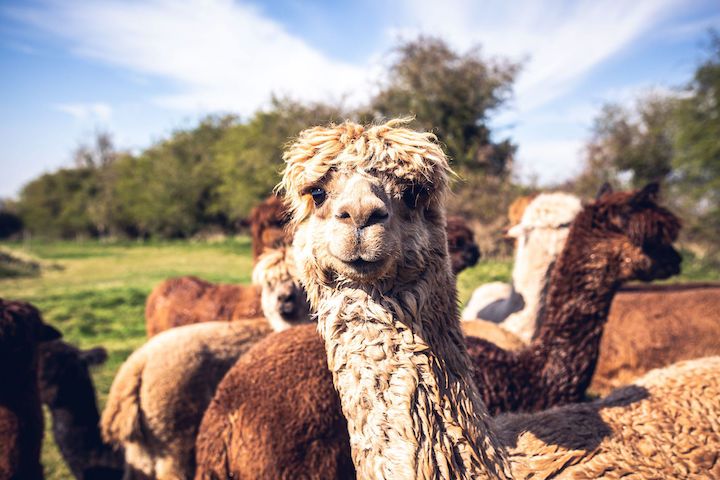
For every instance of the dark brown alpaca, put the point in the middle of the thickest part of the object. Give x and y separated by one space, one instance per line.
66 387
267 225
187 300
463 250
621 236
21 420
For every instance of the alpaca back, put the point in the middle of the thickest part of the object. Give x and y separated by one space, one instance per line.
665 425
654 326
159 395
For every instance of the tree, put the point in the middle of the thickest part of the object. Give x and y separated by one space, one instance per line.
630 147
697 148
452 95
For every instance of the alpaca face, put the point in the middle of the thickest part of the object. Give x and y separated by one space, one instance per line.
648 232
284 303
366 227
462 248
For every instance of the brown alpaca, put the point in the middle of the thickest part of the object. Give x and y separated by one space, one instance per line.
464 252
276 295
21 418
267 225
651 326
187 300
531 379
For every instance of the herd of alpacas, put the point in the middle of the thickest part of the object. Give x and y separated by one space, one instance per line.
348 356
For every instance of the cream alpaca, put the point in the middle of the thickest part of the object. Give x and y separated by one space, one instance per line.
540 235
370 242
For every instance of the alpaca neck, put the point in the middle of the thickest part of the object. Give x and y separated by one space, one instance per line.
75 426
581 290
534 260
399 364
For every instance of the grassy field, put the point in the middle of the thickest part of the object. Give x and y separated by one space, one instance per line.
95 293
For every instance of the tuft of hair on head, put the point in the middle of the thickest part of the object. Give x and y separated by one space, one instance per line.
274 265
413 158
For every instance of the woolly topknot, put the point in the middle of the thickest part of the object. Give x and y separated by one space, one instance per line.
551 210
274 266
407 156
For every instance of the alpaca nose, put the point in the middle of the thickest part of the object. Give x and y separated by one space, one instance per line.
369 210
288 296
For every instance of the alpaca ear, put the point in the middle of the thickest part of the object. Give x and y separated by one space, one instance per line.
649 193
515 232
94 356
605 189
47 333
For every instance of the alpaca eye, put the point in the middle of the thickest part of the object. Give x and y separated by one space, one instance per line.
412 196
318 195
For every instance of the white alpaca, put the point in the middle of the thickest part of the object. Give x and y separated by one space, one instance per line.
540 236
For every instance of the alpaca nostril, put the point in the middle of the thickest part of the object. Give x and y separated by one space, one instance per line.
378 215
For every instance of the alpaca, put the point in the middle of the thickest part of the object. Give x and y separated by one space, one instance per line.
21 420
540 236
276 294
66 387
267 226
160 393
653 326
665 425
546 360
464 252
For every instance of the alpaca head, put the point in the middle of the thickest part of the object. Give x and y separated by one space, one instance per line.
544 225
283 299
638 230
462 248
367 204
268 220
21 330
63 371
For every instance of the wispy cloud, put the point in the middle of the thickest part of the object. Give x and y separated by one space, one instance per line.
560 41
218 55
86 111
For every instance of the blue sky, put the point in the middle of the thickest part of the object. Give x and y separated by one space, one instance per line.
143 69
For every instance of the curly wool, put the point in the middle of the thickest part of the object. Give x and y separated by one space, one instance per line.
665 425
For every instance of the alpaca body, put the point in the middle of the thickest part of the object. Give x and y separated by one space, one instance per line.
276 295
186 300
664 425
67 389
160 393
655 326
21 419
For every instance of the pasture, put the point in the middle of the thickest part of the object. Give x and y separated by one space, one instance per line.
95 293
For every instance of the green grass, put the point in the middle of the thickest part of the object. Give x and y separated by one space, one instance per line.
98 296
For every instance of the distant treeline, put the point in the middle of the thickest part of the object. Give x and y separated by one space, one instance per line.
209 177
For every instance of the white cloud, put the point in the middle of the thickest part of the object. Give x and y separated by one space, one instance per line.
219 55
86 111
560 41
549 160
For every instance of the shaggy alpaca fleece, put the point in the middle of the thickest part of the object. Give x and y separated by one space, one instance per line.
66 387
160 393
393 343
21 419
665 425
540 235
243 434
